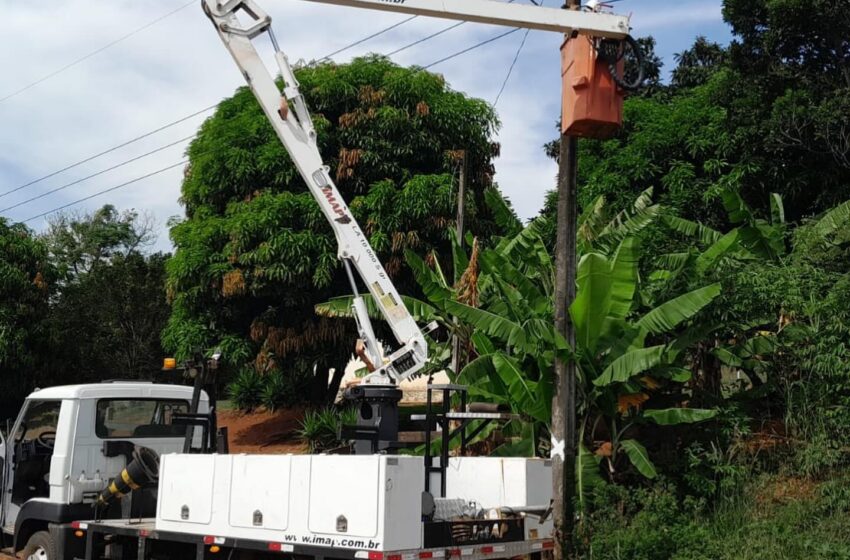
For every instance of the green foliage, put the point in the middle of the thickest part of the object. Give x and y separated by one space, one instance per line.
80 242
255 254
246 391
769 518
786 95
696 65
110 291
27 280
321 428
514 344
280 390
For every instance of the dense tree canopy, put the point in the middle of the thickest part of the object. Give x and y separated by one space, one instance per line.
767 114
787 92
254 254
110 291
26 281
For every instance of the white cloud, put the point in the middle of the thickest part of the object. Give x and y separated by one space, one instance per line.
683 14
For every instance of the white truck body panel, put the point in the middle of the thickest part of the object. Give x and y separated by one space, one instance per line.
367 502
499 481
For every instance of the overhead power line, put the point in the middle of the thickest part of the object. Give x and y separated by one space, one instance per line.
423 39
211 107
101 172
109 150
368 37
511 68
95 52
360 41
99 193
473 47
516 57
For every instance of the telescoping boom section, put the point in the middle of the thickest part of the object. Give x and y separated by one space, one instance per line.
288 114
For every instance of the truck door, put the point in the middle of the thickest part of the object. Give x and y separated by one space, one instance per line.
28 458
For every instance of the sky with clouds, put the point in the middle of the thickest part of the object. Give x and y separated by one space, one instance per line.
177 67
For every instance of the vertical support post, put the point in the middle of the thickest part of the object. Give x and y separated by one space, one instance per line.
196 401
461 195
461 211
429 461
446 428
564 399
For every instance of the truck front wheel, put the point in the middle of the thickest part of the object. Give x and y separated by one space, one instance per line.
41 546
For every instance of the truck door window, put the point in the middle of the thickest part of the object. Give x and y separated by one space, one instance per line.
39 423
34 439
138 418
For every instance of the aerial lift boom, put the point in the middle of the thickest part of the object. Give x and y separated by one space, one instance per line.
593 23
290 117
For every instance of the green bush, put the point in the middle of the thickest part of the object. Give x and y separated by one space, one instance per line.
321 428
283 389
275 389
246 389
639 524
771 517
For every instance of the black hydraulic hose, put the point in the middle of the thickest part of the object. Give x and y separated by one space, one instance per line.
612 52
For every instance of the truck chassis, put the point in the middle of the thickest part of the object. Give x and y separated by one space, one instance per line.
139 540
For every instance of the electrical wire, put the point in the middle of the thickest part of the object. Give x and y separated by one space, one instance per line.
511 68
116 187
423 39
473 47
516 57
195 114
206 109
367 38
101 172
112 149
95 52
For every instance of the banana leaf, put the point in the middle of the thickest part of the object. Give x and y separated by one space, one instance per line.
639 457
670 314
628 365
673 416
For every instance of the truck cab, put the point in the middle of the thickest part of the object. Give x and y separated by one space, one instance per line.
67 444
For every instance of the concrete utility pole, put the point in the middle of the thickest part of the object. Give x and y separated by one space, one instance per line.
564 400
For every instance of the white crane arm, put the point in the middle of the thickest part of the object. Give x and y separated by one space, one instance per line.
288 114
597 24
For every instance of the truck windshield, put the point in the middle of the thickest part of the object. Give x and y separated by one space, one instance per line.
138 418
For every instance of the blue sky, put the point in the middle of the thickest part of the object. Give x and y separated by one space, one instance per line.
178 66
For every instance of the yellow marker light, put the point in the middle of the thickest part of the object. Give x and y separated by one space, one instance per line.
215 548
169 363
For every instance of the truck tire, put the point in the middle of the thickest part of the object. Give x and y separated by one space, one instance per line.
41 546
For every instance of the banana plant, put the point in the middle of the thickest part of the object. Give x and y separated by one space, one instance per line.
625 354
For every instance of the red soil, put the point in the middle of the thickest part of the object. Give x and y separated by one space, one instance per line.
263 432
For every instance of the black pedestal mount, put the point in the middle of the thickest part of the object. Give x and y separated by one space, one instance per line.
376 430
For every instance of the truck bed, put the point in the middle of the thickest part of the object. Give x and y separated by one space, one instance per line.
144 531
